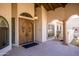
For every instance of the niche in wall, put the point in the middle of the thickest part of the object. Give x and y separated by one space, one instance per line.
4 32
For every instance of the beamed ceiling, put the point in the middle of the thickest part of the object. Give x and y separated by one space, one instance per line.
50 6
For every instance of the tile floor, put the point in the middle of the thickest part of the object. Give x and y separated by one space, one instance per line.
49 48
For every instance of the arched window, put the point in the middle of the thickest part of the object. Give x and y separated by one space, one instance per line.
4 32
25 14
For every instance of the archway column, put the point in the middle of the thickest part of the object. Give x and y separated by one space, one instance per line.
64 33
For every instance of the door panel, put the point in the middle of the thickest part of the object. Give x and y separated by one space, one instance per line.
25 31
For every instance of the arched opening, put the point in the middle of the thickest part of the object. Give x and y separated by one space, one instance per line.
4 32
25 14
72 30
26 29
55 29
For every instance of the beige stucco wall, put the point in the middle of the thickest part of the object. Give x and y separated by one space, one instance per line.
44 24
25 7
63 13
14 10
5 11
38 25
41 24
71 9
58 13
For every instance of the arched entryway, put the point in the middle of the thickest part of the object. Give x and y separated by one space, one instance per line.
55 29
72 30
4 32
26 28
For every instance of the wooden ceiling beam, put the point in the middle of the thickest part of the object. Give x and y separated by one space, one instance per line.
60 4
46 6
37 5
53 5
50 5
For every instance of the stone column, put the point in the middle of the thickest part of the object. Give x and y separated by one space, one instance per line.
64 33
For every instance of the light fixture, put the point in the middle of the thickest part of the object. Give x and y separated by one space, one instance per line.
35 17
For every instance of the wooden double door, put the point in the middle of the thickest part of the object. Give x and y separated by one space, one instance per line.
26 31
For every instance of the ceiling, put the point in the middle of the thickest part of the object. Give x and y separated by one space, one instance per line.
50 6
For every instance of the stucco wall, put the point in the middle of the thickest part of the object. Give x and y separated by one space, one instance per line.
14 10
63 13
71 9
38 25
5 11
58 13
41 24
25 7
44 24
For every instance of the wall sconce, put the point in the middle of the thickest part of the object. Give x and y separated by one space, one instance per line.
35 17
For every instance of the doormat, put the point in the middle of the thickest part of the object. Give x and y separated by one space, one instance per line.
30 45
